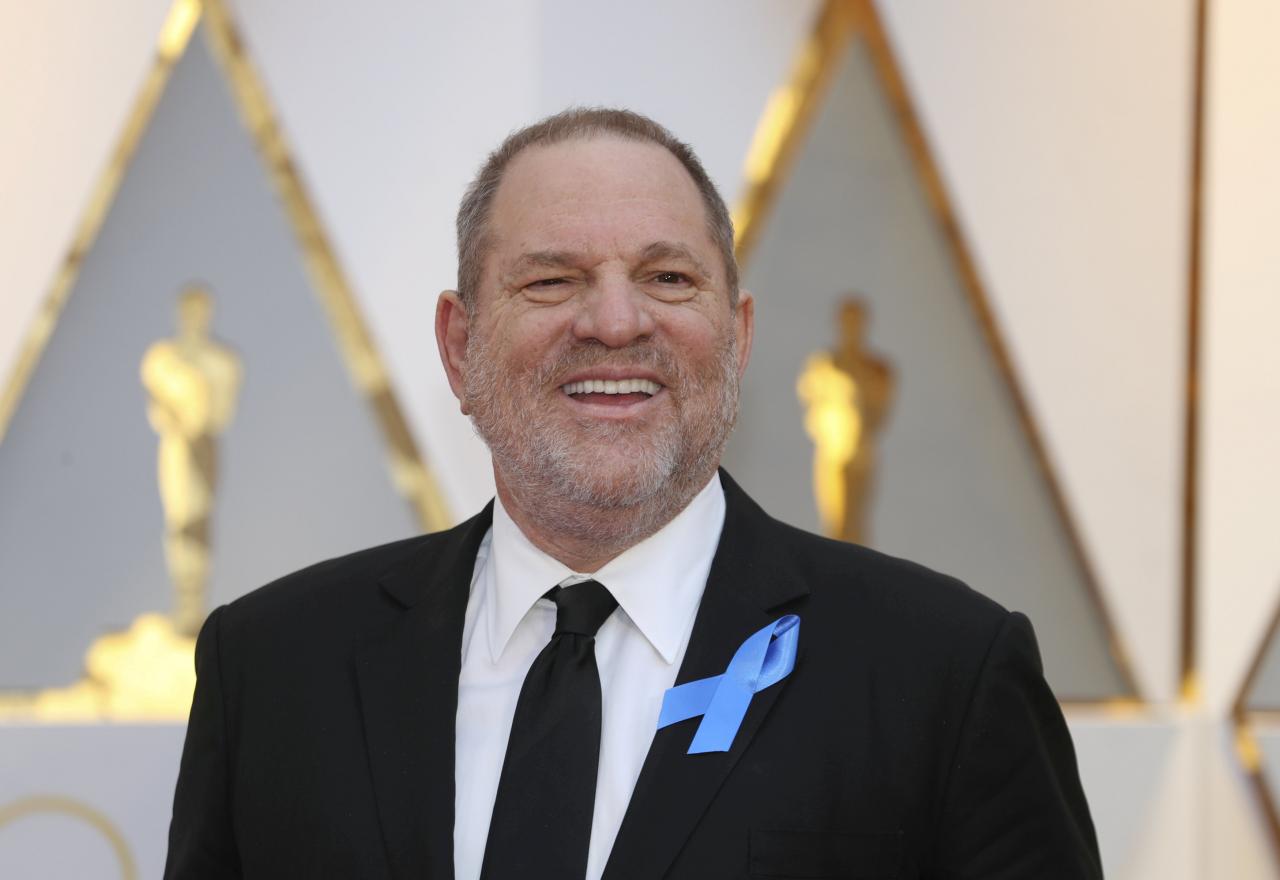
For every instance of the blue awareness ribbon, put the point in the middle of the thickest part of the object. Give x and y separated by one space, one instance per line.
764 659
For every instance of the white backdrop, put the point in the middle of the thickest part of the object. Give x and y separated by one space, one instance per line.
1063 131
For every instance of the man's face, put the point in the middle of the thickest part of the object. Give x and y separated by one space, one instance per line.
602 355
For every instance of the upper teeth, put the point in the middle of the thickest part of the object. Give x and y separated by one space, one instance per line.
610 386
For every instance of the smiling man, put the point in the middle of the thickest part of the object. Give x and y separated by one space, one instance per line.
622 667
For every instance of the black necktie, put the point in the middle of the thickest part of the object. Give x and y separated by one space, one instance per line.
541 824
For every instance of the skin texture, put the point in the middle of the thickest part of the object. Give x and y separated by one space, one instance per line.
600 266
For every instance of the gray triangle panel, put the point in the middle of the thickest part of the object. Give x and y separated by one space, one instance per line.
302 468
957 485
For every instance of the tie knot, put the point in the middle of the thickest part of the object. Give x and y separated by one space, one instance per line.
582 608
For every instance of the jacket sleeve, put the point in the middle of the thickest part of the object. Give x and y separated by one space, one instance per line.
201 838
1013 806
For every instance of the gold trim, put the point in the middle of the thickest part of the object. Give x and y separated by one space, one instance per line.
409 472
93 698
76 809
1187 665
787 118
1243 718
1248 752
175 33
1241 704
785 125
408 469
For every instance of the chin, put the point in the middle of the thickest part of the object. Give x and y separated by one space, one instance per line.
614 478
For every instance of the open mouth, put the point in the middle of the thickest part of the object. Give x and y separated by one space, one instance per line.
611 392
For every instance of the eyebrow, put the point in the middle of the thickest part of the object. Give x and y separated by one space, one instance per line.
658 250
669 250
545 260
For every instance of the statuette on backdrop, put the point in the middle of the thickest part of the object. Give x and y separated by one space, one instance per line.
846 394
192 382
146 671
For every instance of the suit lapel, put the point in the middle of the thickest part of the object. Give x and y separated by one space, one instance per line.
744 589
408 682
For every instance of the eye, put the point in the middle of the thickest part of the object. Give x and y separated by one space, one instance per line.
549 291
671 278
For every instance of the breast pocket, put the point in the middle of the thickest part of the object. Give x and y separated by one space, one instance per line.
800 855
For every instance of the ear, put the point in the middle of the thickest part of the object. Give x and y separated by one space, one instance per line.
745 319
451 339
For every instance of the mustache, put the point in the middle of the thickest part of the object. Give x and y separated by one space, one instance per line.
585 355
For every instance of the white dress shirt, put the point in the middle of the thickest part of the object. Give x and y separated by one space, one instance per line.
658 584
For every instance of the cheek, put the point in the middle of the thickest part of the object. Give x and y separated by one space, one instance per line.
530 341
698 336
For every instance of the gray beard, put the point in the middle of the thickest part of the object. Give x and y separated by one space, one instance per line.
568 474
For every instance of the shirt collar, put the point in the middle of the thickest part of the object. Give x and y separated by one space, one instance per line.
658 583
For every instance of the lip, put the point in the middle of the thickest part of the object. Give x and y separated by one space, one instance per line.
613 374
615 411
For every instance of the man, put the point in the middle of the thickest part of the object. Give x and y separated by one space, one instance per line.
485 702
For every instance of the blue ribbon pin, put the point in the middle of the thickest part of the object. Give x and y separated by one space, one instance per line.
765 658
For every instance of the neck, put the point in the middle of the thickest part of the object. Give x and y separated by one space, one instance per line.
585 537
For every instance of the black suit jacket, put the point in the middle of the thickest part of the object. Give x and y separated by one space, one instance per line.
915 738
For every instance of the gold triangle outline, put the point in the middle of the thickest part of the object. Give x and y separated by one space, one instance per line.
1245 721
90 698
783 129
364 363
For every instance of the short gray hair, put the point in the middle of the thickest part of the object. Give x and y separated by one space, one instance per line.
579 123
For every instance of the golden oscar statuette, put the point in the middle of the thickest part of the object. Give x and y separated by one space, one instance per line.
846 396
192 382
146 672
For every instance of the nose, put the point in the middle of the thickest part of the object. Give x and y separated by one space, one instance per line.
614 312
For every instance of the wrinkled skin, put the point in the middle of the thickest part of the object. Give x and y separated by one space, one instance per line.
600 266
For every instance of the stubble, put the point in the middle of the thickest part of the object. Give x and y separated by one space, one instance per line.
615 482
